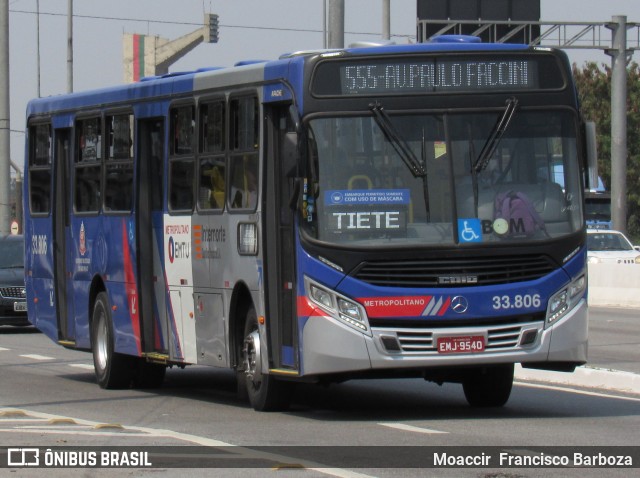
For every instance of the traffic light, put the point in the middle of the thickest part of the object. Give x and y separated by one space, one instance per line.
213 28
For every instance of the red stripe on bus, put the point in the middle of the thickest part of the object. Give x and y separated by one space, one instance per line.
132 288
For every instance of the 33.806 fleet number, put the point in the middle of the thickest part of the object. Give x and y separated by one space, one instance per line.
526 301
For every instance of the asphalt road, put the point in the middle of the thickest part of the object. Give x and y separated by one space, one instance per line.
614 339
55 390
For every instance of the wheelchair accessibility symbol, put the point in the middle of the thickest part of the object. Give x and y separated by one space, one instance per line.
469 230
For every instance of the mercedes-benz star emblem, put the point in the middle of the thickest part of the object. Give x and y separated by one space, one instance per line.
459 304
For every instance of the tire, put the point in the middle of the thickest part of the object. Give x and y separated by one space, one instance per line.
113 370
266 392
489 386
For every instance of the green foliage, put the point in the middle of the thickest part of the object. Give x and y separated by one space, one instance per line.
594 90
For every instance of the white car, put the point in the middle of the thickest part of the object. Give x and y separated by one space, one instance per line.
610 247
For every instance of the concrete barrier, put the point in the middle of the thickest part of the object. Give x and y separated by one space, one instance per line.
585 376
614 285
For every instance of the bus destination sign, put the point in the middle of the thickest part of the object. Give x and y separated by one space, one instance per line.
394 77
399 76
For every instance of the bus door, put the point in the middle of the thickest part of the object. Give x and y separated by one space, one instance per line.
61 232
279 250
151 282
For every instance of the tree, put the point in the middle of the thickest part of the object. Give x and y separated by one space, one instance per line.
594 91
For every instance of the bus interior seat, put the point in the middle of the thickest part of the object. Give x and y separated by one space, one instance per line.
217 188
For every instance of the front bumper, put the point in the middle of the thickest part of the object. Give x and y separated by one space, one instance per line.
331 347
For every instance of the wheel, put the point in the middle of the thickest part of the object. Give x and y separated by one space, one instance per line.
113 370
266 392
489 386
149 375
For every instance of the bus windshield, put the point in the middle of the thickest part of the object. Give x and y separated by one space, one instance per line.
384 178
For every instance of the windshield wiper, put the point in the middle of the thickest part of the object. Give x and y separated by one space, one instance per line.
418 168
397 141
496 135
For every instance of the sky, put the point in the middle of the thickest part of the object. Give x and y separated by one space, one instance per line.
249 29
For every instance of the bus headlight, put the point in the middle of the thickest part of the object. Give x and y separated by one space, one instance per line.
338 306
566 299
321 297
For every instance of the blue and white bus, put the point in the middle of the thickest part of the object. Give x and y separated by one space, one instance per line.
374 212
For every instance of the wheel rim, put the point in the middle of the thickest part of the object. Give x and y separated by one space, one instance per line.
102 350
251 358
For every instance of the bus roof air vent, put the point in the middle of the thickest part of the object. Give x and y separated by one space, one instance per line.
368 44
456 39
323 52
249 62
173 74
209 68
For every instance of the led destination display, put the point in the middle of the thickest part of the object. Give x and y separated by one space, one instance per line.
398 77
429 75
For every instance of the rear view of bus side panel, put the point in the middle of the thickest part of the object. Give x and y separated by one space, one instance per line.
39 271
39 275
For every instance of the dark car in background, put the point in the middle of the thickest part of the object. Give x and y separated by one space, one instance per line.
13 300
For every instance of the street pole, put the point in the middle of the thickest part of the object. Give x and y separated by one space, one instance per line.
618 55
70 46
386 19
5 146
324 24
336 23
38 42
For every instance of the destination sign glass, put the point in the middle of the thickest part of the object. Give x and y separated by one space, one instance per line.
394 76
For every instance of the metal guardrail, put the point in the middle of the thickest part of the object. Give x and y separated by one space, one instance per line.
586 35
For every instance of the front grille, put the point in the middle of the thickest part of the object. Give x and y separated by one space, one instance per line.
421 341
13 292
426 273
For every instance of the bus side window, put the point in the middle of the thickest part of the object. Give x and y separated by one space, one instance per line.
181 185
244 132
181 168
244 182
40 154
211 141
88 165
119 163
212 188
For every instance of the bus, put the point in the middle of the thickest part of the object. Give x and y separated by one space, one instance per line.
380 212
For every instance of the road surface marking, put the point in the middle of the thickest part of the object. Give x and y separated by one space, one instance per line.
134 431
410 428
37 357
85 366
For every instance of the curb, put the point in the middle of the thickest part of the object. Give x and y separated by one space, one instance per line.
589 377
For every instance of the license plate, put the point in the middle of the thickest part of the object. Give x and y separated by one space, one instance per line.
461 344
20 306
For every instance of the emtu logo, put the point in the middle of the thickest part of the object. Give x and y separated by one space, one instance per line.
172 249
